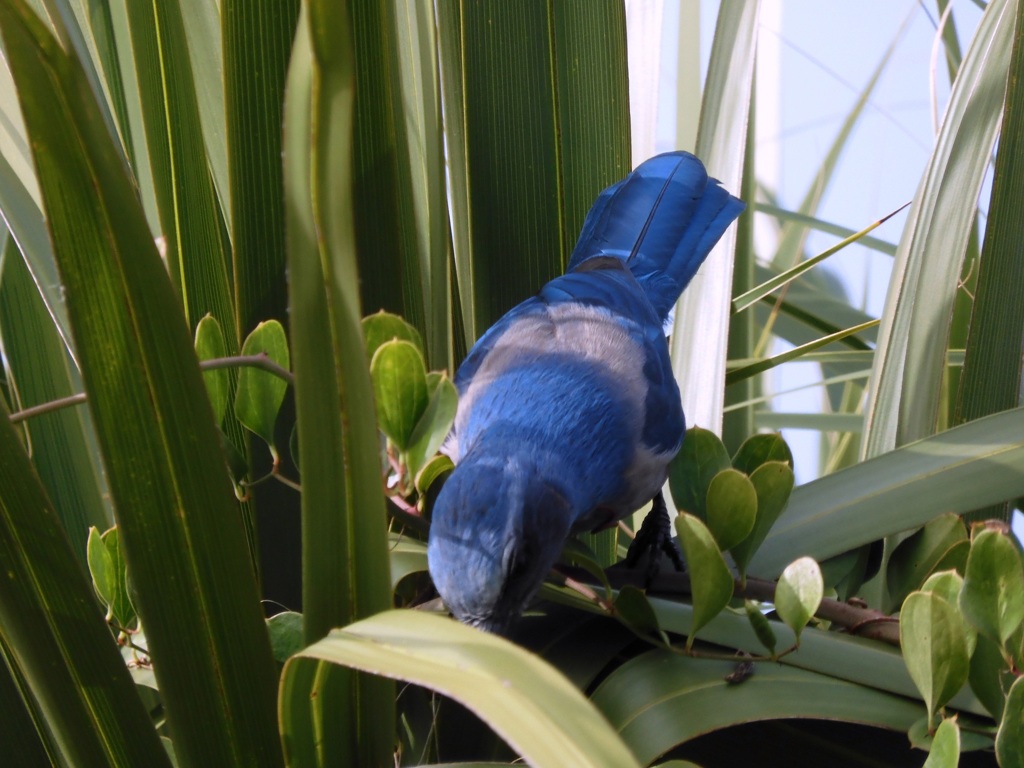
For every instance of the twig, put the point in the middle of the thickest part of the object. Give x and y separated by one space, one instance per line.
239 361
863 622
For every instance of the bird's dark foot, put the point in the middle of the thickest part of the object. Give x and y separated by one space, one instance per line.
654 539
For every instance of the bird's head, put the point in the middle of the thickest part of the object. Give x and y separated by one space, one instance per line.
497 529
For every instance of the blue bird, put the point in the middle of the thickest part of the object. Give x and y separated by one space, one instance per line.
568 412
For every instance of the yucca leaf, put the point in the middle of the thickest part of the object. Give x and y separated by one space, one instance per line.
955 471
52 632
257 40
172 498
41 370
344 559
698 343
992 360
905 387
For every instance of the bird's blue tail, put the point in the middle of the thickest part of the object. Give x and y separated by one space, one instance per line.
662 220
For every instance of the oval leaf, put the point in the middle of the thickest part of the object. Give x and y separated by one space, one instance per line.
400 390
731 507
760 449
120 604
383 327
701 457
210 345
101 566
761 626
710 578
799 593
919 554
435 423
260 393
773 483
990 677
992 598
633 609
285 631
934 647
945 749
431 471
947 585
1010 738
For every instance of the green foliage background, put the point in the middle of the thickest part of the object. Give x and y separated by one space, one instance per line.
311 162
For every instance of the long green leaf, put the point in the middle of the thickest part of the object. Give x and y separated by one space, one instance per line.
191 219
418 62
257 42
345 567
52 630
840 656
955 471
904 391
182 534
388 232
694 695
41 371
992 362
527 159
699 338
526 701
19 735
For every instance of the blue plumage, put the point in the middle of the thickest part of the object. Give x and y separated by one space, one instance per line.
568 410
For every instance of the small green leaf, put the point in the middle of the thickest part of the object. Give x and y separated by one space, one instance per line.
400 390
919 554
260 393
701 457
101 567
799 593
435 423
633 609
760 449
576 552
124 611
431 471
731 507
385 326
773 483
945 749
992 598
947 585
109 576
934 645
1010 738
990 677
761 626
710 578
210 345
285 635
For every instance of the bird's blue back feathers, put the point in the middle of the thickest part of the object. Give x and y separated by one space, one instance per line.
662 220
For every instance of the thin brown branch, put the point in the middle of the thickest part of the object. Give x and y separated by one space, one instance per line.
261 361
854 620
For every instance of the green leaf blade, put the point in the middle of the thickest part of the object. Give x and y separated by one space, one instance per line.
532 706
935 648
799 593
712 582
174 506
992 598
259 394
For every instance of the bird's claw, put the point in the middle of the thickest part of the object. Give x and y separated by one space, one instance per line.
654 539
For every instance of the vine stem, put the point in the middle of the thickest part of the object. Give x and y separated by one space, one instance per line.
863 622
261 361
